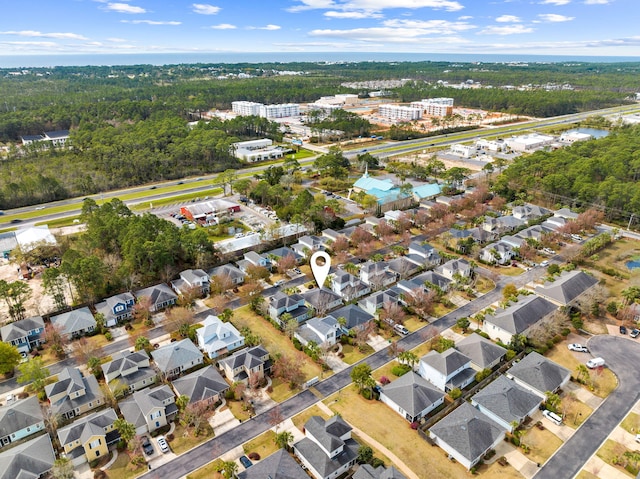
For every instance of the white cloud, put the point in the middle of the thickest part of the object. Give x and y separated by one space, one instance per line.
555 2
266 27
32 33
465 17
352 15
116 40
508 19
389 35
224 26
124 8
205 9
38 44
151 22
554 18
375 5
597 2
430 27
506 30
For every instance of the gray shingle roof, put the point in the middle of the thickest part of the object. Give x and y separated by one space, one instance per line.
157 294
227 270
507 400
143 402
176 355
412 393
446 362
71 380
279 465
320 296
28 460
87 426
249 357
520 316
20 329
201 385
76 320
540 373
19 415
354 315
468 431
567 287
481 351
366 471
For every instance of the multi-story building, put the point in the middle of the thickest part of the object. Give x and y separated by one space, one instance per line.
246 108
435 106
283 110
399 112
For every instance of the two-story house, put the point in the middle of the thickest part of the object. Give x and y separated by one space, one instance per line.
308 244
529 212
74 324
499 252
376 301
354 317
19 420
322 300
376 274
128 372
160 296
246 362
447 370
227 274
24 334
424 254
454 268
323 331
192 280
176 358
149 409
294 305
327 450
251 258
89 438
116 309
31 459
204 386
74 394
347 286
275 255
404 267
434 280
216 337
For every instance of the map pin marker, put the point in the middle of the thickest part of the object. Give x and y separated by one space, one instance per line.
320 272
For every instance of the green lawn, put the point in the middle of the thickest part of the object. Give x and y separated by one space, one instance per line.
184 439
264 444
120 468
631 423
612 452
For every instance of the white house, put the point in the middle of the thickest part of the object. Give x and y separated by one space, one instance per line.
411 396
216 337
448 370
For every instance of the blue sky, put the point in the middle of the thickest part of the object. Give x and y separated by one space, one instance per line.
550 27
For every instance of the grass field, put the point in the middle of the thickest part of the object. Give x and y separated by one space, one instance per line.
119 469
631 423
300 419
542 444
610 452
185 439
264 444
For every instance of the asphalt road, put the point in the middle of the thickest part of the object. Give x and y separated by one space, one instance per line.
621 355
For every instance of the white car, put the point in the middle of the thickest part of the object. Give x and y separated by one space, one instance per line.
162 443
544 264
577 347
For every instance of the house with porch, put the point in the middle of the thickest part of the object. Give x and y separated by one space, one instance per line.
116 309
20 419
567 288
376 274
355 317
24 334
74 394
228 274
149 409
517 318
423 253
89 438
160 296
74 324
205 386
322 300
447 370
251 258
291 304
500 253
175 358
455 267
246 362
539 375
347 286
31 459
128 372
411 396
192 280
216 337
323 331
484 354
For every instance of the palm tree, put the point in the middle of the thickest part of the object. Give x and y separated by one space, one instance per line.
283 439
226 314
126 429
229 468
408 357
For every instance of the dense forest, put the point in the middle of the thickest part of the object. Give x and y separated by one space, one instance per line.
603 173
129 123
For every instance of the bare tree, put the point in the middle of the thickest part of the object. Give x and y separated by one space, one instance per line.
392 311
220 283
83 350
275 417
285 263
422 302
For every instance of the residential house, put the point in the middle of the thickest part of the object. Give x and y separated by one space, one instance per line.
129 371
348 286
376 275
24 334
204 386
327 450
539 374
502 224
567 288
506 402
403 267
411 396
227 274
149 409
500 252
160 296
31 459
116 309
447 370
425 254
312 243
355 317
367 471
19 420
323 331
75 323
332 235
216 337
565 213
376 301
322 300
176 358
74 394
433 279
192 280
426 191
513 241
459 239
455 267
529 212
535 232
89 438
246 362
517 318
277 254
251 258
554 223
467 434
279 465
293 304
483 353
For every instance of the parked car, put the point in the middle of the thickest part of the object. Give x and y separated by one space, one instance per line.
553 417
577 347
400 329
297 271
595 363
245 461
280 282
623 330
162 443
634 333
147 447
544 264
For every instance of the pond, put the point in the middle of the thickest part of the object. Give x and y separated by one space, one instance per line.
594 132
633 264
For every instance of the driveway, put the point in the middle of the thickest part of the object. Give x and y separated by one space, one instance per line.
621 355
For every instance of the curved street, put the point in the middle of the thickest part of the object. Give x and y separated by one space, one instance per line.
621 355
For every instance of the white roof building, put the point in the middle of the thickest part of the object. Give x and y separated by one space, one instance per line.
30 238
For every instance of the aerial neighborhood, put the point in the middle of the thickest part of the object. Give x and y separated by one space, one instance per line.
469 321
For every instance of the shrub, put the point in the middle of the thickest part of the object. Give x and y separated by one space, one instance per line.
366 393
254 456
108 336
230 394
297 344
99 474
565 332
414 425
128 327
400 369
170 437
577 322
23 395
510 354
93 464
556 339
377 462
455 393
384 380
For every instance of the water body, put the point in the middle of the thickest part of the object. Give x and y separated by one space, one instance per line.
594 132
44 61
633 264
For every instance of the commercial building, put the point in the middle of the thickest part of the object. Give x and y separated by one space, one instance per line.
257 150
400 113
435 106
283 110
530 142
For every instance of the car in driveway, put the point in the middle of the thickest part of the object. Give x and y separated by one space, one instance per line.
634 333
245 461
544 263
577 347
162 444
623 330
147 447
